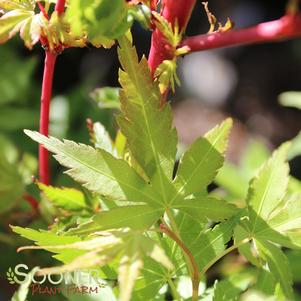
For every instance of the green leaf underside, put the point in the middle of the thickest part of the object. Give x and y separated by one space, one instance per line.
127 247
98 170
136 217
17 4
268 188
147 127
206 208
44 237
68 199
200 163
278 265
210 244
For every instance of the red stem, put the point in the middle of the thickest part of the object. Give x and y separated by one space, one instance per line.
31 201
49 66
44 114
286 27
179 10
60 6
42 9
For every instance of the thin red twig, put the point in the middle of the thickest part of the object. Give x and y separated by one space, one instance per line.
44 114
60 6
172 11
31 201
49 66
42 9
287 27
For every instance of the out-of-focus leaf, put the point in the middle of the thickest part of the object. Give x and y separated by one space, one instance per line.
59 116
291 99
295 149
294 258
14 86
17 4
11 182
15 118
265 283
106 98
99 20
21 20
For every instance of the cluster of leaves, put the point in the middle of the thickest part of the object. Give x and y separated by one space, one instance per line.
84 21
133 187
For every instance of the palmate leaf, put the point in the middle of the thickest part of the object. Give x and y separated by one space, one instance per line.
146 125
17 4
11 182
151 280
69 199
136 217
100 21
210 244
98 170
127 247
201 162
45 237
206 208
288 216
278 265
20 17
268 188
269 216
284 225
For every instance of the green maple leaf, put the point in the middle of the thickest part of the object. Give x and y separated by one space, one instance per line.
8 5
271 217
125 246
98 170
268 189
278 265
146 125
101 21
20 17
206 208
68 199
136 217
201 162
208 245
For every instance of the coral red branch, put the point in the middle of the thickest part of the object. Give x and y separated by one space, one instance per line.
287 27
31 201
44 114
49 66
60 6
179 10
42 9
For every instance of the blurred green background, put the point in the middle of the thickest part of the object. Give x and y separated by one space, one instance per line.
242 82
